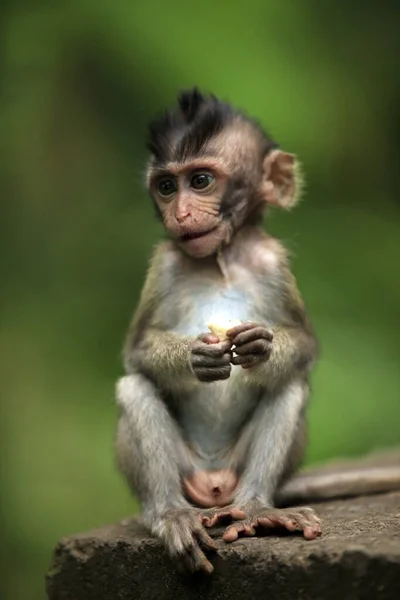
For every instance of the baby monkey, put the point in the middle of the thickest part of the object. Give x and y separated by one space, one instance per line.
211 428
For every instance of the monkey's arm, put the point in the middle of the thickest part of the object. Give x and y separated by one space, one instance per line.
294 346
161 355
149 347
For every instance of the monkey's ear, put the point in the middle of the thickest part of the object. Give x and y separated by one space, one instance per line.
282 180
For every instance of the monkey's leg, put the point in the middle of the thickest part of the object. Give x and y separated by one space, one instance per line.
152 455
272 431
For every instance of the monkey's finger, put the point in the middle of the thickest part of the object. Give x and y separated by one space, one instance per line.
204 539
200 360
248 360
297 521
234 331
309 513
209 374
261 347
234 531
222 516
272 523
304 513
183 545
309 524
212 517
310 530
251 335
211 349
199 561
205 566
193 560
208 338
179 538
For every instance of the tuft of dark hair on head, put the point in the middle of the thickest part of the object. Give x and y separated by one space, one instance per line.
189 102
184 131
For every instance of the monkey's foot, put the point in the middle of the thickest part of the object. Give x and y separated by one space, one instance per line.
265 519
220 516
186 539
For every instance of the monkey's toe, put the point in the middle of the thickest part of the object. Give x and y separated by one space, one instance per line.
220 516
240 529
302 519
187 541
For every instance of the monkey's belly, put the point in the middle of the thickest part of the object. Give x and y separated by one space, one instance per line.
211 488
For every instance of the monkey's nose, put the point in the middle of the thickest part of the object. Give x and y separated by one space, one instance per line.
182 216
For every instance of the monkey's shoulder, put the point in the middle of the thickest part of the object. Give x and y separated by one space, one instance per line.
263 254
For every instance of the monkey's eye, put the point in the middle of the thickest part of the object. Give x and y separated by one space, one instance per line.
200 181
166 187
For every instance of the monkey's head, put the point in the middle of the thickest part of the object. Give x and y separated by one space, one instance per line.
211 168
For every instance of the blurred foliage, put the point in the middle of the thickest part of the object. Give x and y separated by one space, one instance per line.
79 81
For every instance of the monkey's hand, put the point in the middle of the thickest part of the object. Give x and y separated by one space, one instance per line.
261 520
253 343
211 359
185 538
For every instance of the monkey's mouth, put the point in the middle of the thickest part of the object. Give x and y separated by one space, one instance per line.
196 235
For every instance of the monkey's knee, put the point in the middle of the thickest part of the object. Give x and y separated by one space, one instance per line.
133 388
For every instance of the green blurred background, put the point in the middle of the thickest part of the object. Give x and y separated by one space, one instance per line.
79 81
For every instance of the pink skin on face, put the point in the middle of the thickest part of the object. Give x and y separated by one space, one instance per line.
204 245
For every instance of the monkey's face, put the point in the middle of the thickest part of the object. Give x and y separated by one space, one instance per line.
189 197
210 169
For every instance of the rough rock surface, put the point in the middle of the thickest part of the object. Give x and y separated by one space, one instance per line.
357 558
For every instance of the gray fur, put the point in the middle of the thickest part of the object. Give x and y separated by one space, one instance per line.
172 424
273 428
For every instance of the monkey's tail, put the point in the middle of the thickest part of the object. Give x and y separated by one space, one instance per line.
376 473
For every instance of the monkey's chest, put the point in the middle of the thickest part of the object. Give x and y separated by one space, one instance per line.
191 311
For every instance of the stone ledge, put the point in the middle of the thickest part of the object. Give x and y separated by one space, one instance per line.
357 558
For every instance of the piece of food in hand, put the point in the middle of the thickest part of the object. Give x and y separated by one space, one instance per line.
219 327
